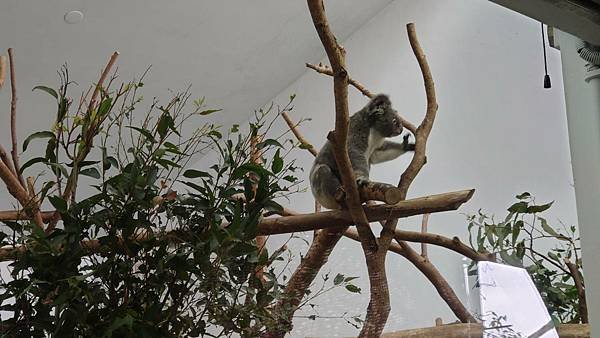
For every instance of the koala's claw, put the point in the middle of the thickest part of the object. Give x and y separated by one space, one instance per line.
362 181
408 146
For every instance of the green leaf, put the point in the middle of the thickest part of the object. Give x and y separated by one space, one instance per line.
58 203
277 164
144 132
36 135
348 279
104 107
165 122
166 163
193 173
523 196
305 146
58 167
245 168
339 278
353 288
510 259
47 90
91 172
209 111
516 229
519 207
32 162
538 208
547 228
268 142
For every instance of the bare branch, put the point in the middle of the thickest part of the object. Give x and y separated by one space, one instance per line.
13 118
430 271
469 330
20 215
453 244
294 128
71 185
17 191
339 218
578 279
2 70
421 135
324 69
438 281
299 282
424 230
7 161
336 56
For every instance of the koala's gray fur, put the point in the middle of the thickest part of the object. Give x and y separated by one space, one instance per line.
369 127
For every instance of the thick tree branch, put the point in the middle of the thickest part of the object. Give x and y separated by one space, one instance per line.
438 281
430 271
339 218
334 221
6 160
20 215
470 330
20 194
379 305
335 54
578 279
302 278
421 136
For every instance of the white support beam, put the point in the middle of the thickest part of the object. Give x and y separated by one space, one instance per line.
577 17
582 96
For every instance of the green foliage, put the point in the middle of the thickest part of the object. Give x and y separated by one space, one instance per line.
134 257
525 239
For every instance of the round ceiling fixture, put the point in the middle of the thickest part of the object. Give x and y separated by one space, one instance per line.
73 17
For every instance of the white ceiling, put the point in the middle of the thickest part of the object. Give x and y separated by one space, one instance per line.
238 54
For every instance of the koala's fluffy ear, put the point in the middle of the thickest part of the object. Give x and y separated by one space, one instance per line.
379 103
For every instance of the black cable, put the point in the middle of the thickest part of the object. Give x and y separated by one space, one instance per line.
547 83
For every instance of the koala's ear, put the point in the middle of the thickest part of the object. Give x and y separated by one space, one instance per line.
379 103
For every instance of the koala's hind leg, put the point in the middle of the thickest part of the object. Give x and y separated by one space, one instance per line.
325 184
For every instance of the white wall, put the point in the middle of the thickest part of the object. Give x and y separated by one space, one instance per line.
497 131
583 112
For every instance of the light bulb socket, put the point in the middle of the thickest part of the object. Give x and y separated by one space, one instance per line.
547 83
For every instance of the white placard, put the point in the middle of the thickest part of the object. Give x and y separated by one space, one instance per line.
511 305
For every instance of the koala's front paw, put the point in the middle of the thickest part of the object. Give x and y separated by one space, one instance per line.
408 146
362 181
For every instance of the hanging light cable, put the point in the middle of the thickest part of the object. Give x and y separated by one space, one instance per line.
547 83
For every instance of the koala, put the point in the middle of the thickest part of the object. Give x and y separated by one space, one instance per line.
367 144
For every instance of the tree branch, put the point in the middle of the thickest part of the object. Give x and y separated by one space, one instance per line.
470 330
324 69
424 223
379 307
438 281
340 218
2 70
578 279
13 118
20 194
71 185
336 56
294 128
422 134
